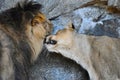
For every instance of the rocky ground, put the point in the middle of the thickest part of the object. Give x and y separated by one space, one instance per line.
88 20
52 66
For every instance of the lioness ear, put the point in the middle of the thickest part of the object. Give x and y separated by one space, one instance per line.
70 26
73 27
38 19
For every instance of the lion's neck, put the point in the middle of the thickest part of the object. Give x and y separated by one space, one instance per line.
36 46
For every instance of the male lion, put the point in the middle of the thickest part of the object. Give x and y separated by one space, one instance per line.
100 56
22 31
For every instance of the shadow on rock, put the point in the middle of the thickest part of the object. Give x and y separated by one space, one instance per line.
52 66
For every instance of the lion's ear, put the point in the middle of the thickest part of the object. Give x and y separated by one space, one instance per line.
40 18
35 21
70 26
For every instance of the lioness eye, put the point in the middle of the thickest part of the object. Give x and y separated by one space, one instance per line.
53 42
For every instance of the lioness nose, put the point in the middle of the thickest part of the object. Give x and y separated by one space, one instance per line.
50 41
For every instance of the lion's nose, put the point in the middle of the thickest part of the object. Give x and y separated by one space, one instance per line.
50 41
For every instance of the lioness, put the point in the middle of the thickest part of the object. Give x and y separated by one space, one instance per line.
22 31
100 56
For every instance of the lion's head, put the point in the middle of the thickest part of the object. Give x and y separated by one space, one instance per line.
26 23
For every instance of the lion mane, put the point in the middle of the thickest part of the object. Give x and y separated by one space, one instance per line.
22 31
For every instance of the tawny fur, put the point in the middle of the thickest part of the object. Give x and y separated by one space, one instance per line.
100 56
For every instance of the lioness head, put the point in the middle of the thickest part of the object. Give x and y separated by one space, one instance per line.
63 39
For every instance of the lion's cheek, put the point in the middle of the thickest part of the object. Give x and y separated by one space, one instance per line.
39 32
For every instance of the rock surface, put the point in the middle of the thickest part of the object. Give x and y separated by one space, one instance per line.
52 66
114 3
88 20
55 8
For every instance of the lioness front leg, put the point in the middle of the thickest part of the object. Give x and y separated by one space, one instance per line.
92 72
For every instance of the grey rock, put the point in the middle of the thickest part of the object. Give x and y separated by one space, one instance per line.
91 21
6 4
114 3
52 66
54 8
1 3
